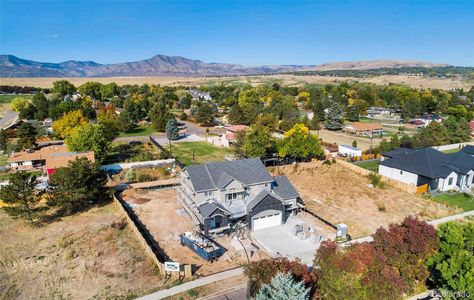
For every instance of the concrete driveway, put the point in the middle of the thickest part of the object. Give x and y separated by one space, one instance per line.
280 241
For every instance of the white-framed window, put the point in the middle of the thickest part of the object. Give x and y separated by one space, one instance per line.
450 181
207 193
20 163
231 196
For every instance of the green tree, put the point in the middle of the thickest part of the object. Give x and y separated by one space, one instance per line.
432 135
92 89
41 105
334 118
63 88
353 113
91 137
235 115
108 91
172 130
299 143
258 142
283 287
3 140
354 143
21 198
27 136
205 114
160 115
452 268
77 186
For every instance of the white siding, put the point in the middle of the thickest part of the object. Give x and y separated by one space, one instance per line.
399 175
444 185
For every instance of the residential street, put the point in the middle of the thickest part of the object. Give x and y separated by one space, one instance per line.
8 118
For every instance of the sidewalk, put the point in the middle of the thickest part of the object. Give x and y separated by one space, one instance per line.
193 284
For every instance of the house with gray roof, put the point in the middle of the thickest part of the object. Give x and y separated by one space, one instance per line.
219 196
442 172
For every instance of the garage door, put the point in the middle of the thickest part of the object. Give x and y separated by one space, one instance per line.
265 221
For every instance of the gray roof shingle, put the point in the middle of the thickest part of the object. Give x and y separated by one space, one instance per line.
284 189
468 149
208 176
207 209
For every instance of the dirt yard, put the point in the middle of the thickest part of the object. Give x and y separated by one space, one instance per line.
340 195
92 255
341 138
163 217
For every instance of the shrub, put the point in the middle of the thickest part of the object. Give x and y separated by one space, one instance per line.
183 116
283 286
376 180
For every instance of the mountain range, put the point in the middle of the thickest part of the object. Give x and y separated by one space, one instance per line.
163 65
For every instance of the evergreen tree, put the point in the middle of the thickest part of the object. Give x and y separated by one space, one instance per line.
205 114
3 140
172 130
283 287
334 118
27 136
319 110
75 187
353 113
21 197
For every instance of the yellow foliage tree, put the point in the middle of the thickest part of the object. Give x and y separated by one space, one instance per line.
68 123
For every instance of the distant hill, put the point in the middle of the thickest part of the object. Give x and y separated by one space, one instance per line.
163 65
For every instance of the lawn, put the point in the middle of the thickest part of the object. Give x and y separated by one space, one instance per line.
3 160
371 165
203 152
122 152
451 150
461 200
139 131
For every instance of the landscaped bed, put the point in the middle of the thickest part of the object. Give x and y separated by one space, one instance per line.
340 195
203 152
459 200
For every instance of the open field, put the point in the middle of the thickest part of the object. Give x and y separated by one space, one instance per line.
342 138
203 152
340 195
87 256
460 200
411 80
162 215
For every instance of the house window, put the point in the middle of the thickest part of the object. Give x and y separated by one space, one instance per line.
207 193
231 196
401 172
450 181
20 163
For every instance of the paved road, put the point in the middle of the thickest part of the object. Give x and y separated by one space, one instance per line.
193 284
8 118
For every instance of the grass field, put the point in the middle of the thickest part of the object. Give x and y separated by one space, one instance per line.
371 165
203 152
460 200
139 131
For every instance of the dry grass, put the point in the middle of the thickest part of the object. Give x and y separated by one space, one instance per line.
80 257
413 81
340 195
342 138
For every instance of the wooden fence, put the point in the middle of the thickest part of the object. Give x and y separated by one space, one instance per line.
400 185
153 251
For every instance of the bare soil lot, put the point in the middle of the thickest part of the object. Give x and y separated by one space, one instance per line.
87 256
161 213
340 195
342 138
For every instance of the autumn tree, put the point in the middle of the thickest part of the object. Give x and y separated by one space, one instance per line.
19 103
21 198
299 143
68 123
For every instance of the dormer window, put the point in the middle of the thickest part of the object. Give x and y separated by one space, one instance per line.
231 196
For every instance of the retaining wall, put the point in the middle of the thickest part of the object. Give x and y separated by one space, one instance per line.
137 165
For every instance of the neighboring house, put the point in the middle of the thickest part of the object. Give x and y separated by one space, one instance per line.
425 120
375 112
442 172
47 159
230 137
468 149
48 122
364 129
223 196
198 95
346 150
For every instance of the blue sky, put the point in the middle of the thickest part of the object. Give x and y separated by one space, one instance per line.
245 32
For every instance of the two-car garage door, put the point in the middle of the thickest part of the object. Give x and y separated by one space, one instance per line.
265 220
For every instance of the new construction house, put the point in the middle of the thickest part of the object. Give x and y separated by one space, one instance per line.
220 196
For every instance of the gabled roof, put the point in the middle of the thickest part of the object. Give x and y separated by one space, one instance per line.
397 152
259 198
284 189
208 176
468 149
207 209
431 163
360 126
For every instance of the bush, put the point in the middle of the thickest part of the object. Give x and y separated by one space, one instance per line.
376 180
183 116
